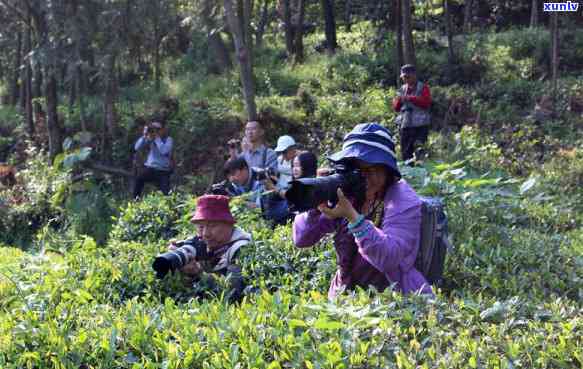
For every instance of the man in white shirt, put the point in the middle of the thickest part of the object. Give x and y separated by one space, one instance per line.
158 165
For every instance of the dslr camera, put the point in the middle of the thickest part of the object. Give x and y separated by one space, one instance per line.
225 188
151 129
264 173
234 143
307 193
188 250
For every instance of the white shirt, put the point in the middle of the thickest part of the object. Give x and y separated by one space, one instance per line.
284 168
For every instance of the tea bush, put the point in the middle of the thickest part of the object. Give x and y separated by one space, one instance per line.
513 282
151 219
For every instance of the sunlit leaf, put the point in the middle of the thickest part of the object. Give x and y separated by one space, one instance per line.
527 185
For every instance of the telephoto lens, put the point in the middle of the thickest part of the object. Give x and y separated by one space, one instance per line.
173 260
307 193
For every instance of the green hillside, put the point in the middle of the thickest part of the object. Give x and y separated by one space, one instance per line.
76 285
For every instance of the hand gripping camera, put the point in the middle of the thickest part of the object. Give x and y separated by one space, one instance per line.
188 250
262 174
224 188
307 193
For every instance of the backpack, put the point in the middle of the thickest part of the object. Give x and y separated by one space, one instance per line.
434 243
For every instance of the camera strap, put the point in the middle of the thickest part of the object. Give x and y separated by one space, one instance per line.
264 157
377 213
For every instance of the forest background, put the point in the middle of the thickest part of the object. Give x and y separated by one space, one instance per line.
77 79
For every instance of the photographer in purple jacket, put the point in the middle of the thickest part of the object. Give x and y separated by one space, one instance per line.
376 243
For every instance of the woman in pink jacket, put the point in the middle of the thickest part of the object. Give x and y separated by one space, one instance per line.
377 244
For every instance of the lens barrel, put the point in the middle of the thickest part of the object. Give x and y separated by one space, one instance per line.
308 193
173 260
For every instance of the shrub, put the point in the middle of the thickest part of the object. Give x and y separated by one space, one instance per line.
30 202
151 219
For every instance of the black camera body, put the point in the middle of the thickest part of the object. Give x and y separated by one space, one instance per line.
262 174
188 250
234 143
307 193
151 129
224 188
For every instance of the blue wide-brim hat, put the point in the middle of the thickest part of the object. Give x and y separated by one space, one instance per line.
371 143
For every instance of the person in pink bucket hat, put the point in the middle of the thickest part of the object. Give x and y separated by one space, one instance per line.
215 226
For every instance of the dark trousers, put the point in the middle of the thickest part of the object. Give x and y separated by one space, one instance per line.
161 177
411 139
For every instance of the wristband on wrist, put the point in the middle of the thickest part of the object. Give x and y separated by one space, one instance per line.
363 232
357 223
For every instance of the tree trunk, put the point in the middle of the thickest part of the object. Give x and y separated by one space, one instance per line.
37 86
554 54
29 122
399 37
263 21
37 91
53 128
72 88
348 15
15 88
468 16
408 45
450 50
248 35
299 44
80 85
330 27
219 52
534 14
110 113
289 28
246 68
158 77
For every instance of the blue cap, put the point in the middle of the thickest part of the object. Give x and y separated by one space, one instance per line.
371 143
408 69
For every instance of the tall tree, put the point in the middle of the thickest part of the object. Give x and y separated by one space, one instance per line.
29 123
109 109
348 15
450 46
15 86
330 25
467 27
289 28
219 52
399 36
263 23
408 45
299 36
245 65
554 25
534 14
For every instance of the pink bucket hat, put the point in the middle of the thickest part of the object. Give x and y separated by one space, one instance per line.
213 208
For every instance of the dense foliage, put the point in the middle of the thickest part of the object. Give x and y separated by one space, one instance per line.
76 285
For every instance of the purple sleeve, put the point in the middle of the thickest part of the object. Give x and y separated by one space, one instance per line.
309 227
397 241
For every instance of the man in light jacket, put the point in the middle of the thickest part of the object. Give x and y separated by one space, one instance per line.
158 165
